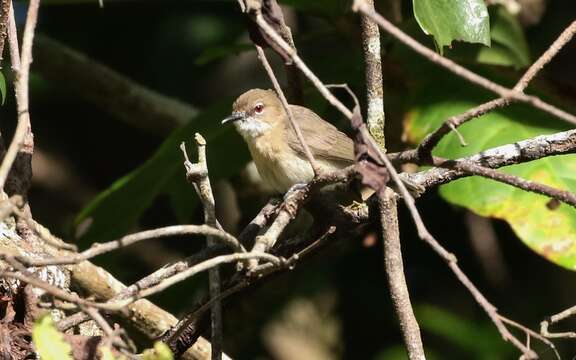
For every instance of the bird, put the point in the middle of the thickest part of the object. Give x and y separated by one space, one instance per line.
259 117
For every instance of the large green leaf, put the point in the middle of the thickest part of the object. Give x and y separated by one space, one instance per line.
449 20
509 46
549 232
114 211
480 340
48 341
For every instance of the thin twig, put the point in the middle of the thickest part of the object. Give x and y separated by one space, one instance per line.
4 14
531 333
546 57
204 191
431 140
302 66
502 91
538 147
21 65
528 185
284 102
99 249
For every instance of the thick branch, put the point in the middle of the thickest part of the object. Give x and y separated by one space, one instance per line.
510 154
395 274
373 71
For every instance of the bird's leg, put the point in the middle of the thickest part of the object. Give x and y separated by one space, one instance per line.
295 187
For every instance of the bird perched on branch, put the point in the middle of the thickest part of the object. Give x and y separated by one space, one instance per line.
259 117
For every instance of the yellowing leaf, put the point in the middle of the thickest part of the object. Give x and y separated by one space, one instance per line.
551 232
161 351
48 341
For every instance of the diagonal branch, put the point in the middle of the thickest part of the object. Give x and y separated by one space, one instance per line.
502 91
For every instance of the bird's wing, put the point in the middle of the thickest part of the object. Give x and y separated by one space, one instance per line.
324 140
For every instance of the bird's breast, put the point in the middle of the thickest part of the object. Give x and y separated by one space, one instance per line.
278 165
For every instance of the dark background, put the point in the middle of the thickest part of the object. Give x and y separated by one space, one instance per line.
338 300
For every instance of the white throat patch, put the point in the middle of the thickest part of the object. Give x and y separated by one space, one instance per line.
251 128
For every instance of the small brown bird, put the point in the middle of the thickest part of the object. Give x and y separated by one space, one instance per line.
259 117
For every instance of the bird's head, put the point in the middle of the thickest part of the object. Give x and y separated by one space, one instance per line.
256 113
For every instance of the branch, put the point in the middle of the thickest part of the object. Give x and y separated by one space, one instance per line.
99 249
395 274
373 71
430 141
510 154
286 107
471 168
512 94
22 142
198 174
4 15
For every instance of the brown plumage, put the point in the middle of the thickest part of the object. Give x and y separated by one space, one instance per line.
259 117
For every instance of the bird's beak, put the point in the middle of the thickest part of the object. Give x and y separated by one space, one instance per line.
235 116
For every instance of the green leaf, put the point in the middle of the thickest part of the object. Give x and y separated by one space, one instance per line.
449 20
117 209
2 88
479 339
509 45
550 233
161 351
48 341
106 354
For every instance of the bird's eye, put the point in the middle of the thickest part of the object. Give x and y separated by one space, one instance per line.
259 108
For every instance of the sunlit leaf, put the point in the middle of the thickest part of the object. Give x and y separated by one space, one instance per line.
480 339
509 46
549 232
161 351
448 20
48 341
106 354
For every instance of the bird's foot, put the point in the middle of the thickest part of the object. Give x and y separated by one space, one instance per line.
293 189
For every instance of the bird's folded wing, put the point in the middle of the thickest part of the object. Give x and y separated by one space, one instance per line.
326 142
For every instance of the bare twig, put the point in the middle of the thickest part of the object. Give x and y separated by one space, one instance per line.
424 149
99 249
284 102
31 279
203 266
204 191
431 140
301 65
292 205
510 154
528 185
4 13
546 57
531 333
373 70
395 274
22 140
503 92
571 311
